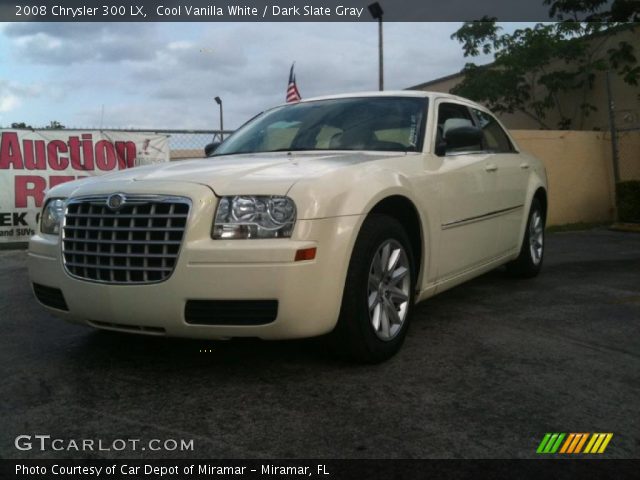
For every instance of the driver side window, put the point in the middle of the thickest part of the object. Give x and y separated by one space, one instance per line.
454 115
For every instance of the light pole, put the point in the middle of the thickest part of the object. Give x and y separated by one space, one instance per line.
219 102
376 12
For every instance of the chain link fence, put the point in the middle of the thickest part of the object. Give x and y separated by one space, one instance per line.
182 143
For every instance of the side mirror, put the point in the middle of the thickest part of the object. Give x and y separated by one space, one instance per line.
441 148
460 137
210 148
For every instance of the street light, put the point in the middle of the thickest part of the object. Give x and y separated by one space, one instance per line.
376 12
219 102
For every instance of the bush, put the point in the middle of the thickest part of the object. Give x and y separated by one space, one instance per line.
628 201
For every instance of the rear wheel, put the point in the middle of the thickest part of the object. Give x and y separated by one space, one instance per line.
529 262
379 292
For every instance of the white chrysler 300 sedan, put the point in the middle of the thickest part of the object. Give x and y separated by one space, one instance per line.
332 215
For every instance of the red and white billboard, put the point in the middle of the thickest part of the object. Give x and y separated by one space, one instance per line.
33 161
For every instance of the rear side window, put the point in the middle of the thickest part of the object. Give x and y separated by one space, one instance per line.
495 138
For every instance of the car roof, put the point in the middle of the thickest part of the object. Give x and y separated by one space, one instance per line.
395 93
389 93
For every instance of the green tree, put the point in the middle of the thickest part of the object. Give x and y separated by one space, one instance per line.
535 66
54 125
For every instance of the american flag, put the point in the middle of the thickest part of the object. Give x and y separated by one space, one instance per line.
293 95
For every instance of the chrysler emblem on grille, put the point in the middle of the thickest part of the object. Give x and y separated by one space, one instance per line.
115 201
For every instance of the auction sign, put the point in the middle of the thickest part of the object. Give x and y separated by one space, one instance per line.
33 161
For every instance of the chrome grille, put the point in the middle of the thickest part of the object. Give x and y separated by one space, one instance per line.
136 243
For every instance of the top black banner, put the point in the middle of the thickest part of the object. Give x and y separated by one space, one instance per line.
304 11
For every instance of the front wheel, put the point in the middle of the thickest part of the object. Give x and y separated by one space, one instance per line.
529 262
379 292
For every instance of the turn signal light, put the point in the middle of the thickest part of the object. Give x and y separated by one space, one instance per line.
305 254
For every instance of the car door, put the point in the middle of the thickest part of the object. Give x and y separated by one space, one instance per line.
469 198
513 175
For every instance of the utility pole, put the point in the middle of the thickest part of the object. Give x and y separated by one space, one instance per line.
376 12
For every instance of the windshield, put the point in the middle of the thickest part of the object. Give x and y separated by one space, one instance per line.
367 123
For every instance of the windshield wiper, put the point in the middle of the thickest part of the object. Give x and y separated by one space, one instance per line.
294 149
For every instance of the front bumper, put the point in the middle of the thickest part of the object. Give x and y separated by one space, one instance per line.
309 293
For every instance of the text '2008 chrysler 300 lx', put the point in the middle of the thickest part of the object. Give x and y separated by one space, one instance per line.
331 215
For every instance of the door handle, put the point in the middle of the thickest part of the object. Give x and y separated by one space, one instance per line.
491 167
524 166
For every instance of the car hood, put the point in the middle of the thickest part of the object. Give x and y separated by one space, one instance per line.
259 174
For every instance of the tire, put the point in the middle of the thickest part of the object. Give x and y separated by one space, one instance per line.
367 330
529 262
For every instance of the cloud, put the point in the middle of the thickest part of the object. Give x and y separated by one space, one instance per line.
69 43
166 75
18 97
8 102
13 93
248 66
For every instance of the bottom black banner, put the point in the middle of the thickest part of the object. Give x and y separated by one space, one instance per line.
319 469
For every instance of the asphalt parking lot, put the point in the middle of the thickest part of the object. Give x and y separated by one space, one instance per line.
487 369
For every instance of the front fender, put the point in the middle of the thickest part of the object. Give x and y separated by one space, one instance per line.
356 194
344 193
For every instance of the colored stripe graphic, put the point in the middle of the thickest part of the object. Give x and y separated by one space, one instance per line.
605 443
574 443
567 443
593 439
593 443
550 443
581 442
556 445
597 443
543 443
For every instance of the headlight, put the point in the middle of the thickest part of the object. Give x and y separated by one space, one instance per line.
251 216
52 214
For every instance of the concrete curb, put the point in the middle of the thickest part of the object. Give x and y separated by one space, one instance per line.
626 227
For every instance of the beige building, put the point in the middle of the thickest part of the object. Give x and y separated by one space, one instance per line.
626 97
579 163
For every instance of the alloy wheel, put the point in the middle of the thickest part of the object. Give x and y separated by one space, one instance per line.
388 290
536 236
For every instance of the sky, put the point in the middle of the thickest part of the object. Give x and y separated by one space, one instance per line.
166 75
